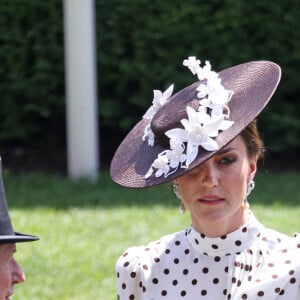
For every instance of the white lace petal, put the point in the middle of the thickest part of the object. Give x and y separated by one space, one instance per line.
210 145
169 91
177 133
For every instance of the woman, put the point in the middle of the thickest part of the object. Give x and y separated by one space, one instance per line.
205 140
10 271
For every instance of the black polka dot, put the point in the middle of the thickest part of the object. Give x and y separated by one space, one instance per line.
260 294
176 261
155 280
281 292
216 280
277 290
292 280
237 264
238 243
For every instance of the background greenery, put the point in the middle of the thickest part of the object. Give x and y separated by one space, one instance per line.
140 47
84 227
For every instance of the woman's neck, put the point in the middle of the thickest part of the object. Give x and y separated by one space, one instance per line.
220 227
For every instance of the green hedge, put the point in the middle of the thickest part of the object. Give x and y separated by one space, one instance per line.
140 47
31 70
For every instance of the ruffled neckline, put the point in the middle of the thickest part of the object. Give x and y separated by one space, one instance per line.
231 243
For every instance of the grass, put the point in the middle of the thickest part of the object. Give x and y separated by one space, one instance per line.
85 226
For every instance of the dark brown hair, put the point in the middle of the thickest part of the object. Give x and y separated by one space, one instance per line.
253 141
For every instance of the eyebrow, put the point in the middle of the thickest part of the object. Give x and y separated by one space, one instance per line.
225 150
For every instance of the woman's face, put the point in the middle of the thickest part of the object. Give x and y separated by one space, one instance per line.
215 191
10 272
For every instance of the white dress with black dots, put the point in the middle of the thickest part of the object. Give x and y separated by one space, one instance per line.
252 262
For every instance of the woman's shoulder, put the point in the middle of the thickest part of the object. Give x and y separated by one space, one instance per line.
280 242
140 256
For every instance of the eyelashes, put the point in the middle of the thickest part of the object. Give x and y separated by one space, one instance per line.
227 160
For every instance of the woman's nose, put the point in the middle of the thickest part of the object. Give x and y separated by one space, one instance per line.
209 175
17 273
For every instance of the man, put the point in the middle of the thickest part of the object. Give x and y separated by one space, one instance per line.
10 271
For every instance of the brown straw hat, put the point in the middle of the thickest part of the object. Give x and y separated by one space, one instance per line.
249 88
7 234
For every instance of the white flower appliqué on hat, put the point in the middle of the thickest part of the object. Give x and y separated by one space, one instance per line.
201 126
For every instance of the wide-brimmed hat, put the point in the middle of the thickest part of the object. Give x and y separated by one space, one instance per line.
218 106
7 234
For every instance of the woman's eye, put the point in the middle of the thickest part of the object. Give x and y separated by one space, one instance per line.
227 160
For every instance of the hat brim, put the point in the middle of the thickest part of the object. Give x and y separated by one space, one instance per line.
17 238
253 84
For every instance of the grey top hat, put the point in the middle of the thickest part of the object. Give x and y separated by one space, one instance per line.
7 234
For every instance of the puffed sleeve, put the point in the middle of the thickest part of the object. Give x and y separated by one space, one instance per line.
129 275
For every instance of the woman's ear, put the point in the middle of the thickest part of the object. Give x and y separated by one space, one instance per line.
252 167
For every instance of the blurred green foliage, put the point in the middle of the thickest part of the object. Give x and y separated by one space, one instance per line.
31 69
140 47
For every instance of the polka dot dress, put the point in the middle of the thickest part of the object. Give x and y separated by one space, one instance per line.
252 262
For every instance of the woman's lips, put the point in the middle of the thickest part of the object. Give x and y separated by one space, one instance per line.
211 200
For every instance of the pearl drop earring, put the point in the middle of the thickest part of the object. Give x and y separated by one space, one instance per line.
176 190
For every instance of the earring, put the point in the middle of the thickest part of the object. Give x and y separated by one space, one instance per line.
250 187
176 190
181 208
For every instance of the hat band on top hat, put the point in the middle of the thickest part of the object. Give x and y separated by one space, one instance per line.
199 129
